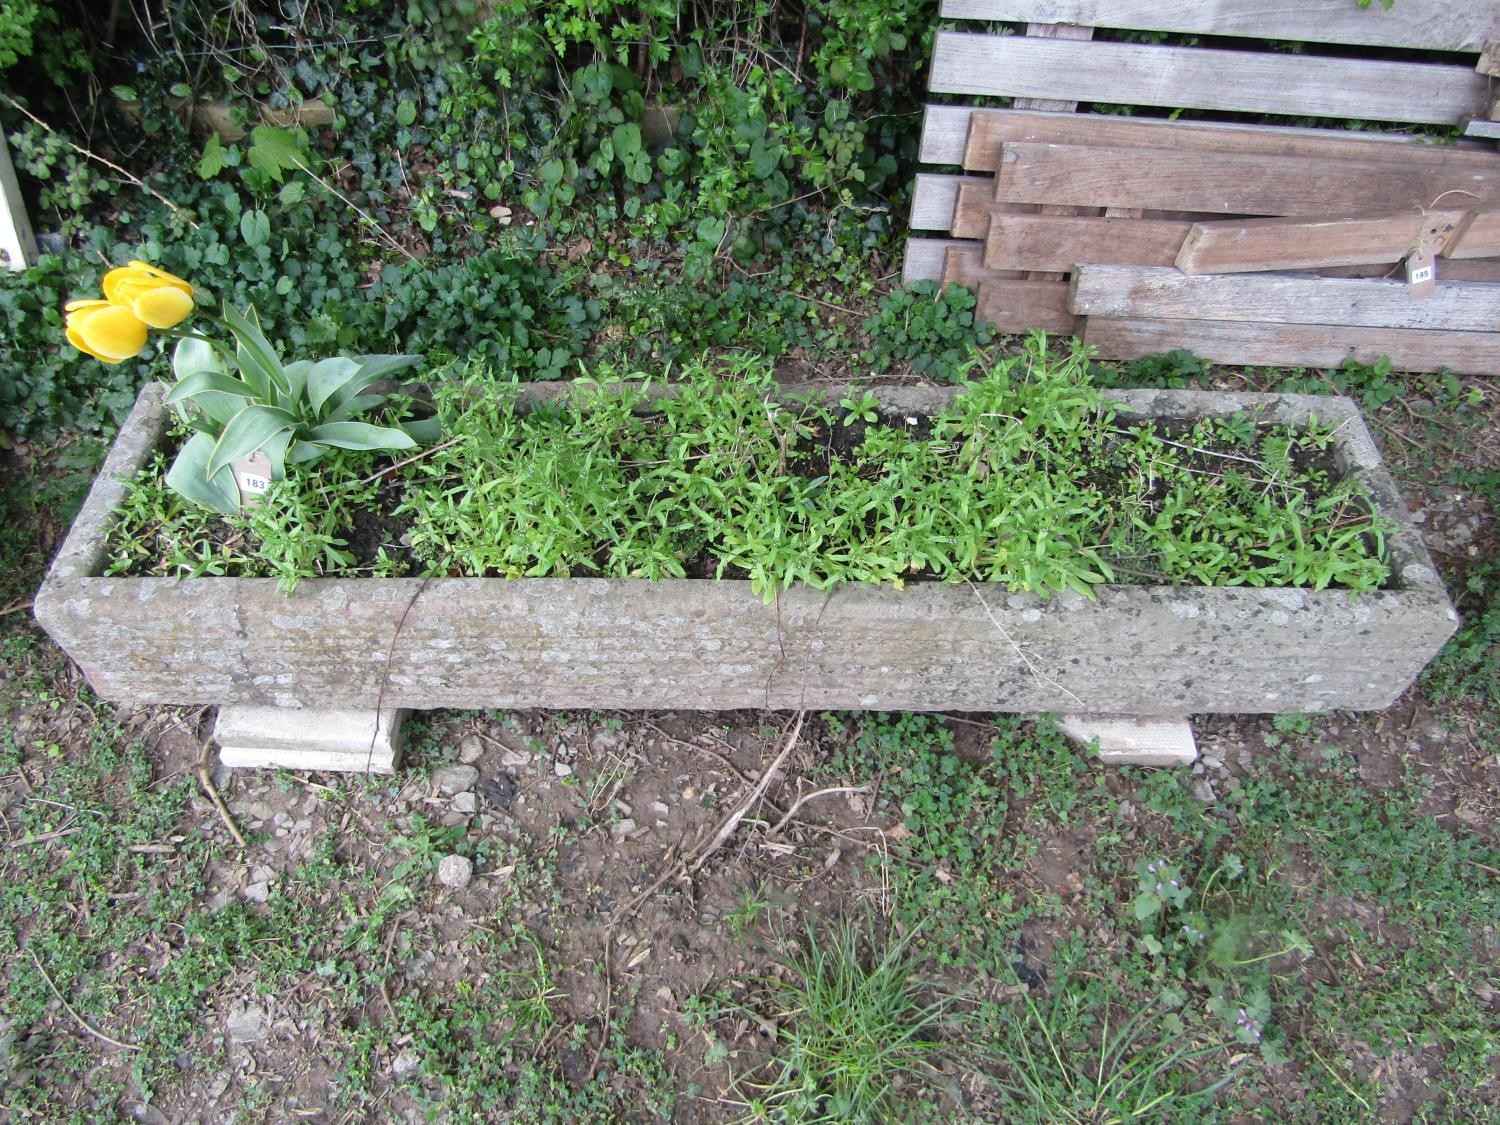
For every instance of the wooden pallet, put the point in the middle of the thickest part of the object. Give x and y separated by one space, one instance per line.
1044 190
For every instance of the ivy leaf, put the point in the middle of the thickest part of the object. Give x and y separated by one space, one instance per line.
212 161
255 227
406 114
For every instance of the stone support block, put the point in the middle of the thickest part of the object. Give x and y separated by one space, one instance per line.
356 741
1130 740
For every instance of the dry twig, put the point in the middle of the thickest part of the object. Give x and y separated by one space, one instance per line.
79 1020
732 822
211 791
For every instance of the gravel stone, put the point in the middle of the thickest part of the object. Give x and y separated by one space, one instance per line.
406 1062
247 1024
562 769
470 749
620 829
515 759
465 802
454 779
455 871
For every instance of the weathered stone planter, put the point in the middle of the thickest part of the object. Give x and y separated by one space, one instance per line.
356 645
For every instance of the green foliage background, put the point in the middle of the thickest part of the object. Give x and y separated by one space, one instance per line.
534 183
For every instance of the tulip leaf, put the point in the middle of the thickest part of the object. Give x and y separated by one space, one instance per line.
189 476
191 356
354 407
258 361
250 429
296 380
190 386
326 377
360 435
424 431
383 366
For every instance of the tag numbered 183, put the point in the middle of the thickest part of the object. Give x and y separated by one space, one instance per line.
252 475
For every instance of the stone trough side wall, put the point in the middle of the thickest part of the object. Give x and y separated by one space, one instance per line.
482 643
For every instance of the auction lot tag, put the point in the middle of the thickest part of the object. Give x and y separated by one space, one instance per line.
252 473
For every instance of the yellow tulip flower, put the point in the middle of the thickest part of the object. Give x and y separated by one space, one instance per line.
106 331
158 298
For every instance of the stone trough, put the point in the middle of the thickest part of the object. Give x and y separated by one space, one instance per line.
320 679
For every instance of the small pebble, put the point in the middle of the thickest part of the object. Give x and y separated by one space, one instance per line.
562 769
623 809
660 808
470 749
247 1024
465 802
515 758
1203 790
454 779
406 1062
455 871
620 829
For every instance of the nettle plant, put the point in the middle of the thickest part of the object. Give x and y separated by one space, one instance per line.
244 400
1209 936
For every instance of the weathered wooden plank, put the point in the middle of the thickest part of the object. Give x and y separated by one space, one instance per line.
1480 238
1041 242
971 214
1300 345
1489 55
1229 184
16 240
935 196
1010 304
1168 294
1026 306
1439 25
945 131
1481 127
924 259
1248 245
988 129
1056 242
1194 78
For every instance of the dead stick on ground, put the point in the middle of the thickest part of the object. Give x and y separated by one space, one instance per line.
727 828
800 801
212 792
79 1020
608 1004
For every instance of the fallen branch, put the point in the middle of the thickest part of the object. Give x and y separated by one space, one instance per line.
733 821
79 1020
211 791
800 801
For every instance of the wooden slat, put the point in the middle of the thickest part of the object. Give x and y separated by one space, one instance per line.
1220 183
1248 245
1056 242
1481 127
971 214
945 131
1010 304
1441 25
1310 345
1167 294
988 129
1041 242
1480 238
1026 305
1193 78
935 196
924 259
17 243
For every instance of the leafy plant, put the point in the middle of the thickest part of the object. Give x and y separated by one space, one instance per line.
295 413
